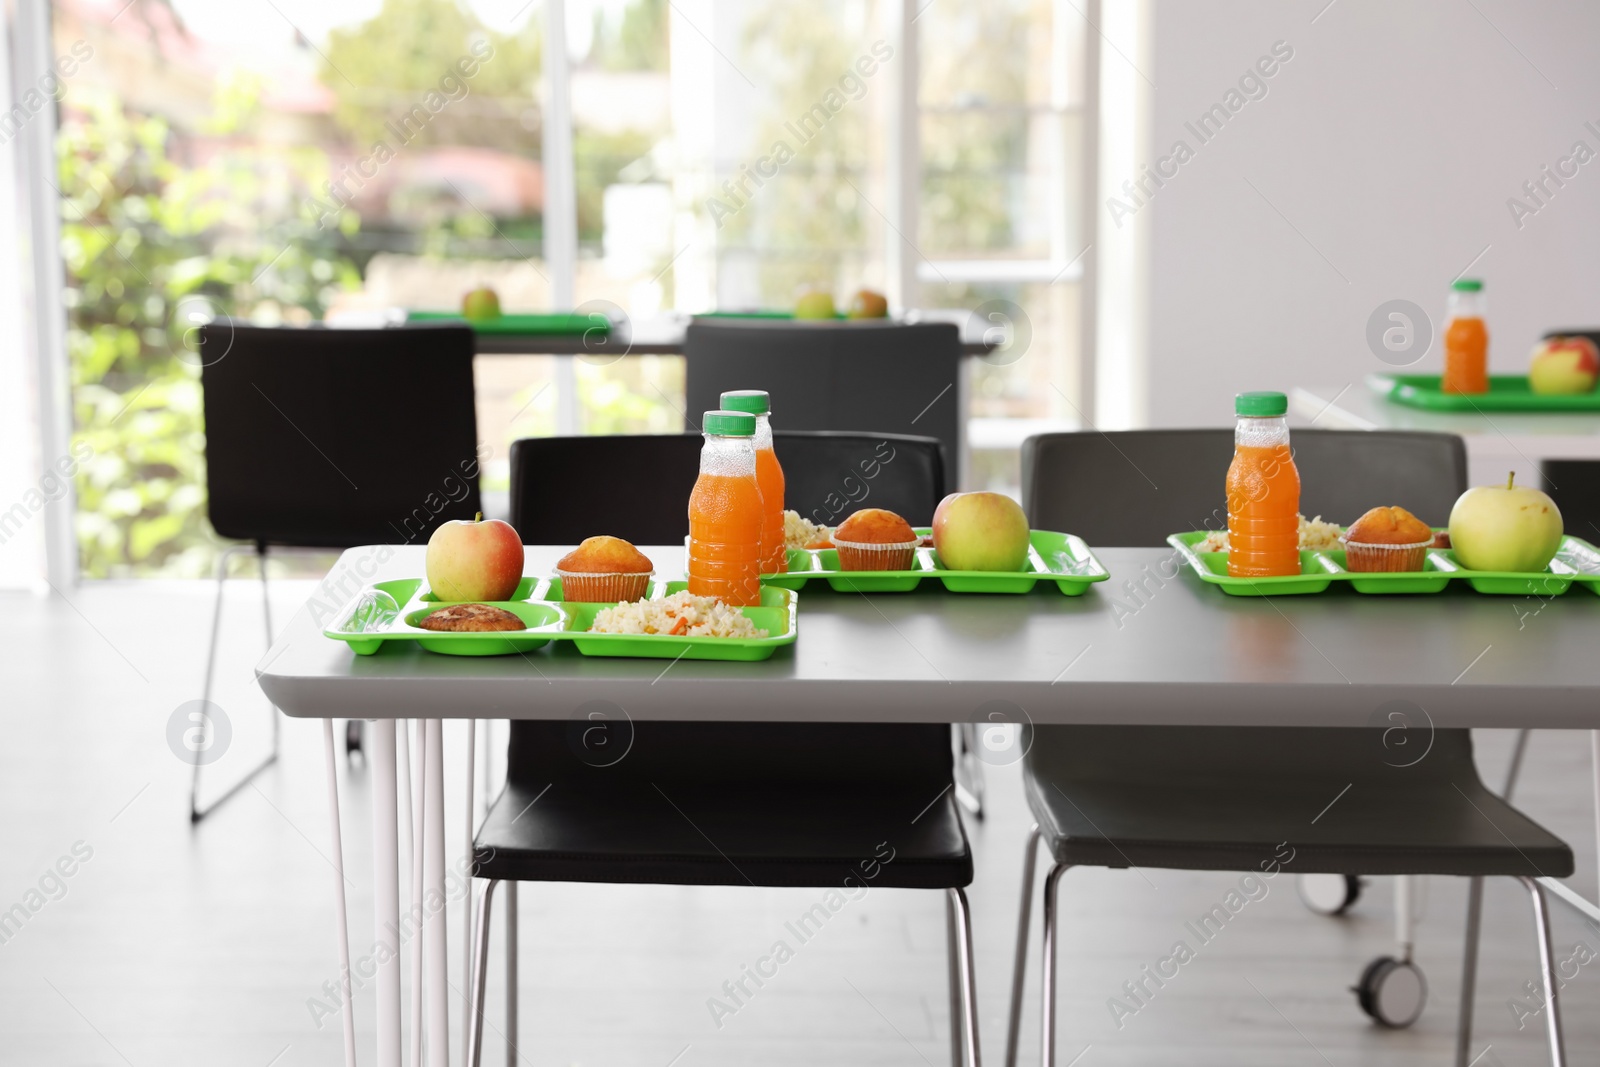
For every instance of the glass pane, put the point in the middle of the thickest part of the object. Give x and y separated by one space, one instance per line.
275 162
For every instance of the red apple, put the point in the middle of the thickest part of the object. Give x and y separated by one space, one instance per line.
474 561
1563 365
481 303
980 532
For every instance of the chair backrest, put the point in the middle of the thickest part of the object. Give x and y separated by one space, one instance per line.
869 377
331 438
1574 484
637 487
1133 488
864 756
829 475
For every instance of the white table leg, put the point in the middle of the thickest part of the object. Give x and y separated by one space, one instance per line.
418 775
467 939
1594 745
347 1009
386 888
435 930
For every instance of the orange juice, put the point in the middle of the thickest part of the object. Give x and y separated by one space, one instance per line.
725 513
769 475
1466 340
1263 489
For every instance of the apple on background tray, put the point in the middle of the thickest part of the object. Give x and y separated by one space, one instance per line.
1564 365
980 532
1505 528
481 303
867 304
815 304
474 561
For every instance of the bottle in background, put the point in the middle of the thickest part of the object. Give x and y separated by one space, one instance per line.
769 476
725 512
1263 490
1466 339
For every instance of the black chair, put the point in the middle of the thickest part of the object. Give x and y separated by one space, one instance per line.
564 489
1234 798
328 439
1574 484
705 803
853 376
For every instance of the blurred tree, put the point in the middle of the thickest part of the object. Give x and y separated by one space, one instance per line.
381 69
637 40
151 247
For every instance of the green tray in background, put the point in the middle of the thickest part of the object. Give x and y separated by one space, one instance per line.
545 324
1507 392
538 602
1052 556
1577 562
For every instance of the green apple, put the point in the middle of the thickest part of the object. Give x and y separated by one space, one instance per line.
1505 528
815 304
980 532
1564 365
867 304
481 303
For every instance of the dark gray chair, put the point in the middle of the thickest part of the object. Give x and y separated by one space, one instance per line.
330 438
1235 798
714 803
852 376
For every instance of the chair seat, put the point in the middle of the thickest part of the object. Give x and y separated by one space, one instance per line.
707 832
1388 823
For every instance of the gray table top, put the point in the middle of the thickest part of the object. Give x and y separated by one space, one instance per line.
1154 645
1354 406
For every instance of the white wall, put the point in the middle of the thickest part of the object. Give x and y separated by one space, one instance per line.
1391 141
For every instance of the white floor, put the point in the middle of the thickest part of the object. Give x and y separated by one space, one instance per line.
170 945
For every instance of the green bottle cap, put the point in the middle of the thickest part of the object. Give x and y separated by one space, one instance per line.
1261 405
1467 285
753 401
729 423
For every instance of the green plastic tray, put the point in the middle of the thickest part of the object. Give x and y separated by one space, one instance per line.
1507 392
1052 556
1577 562
539 603
549 324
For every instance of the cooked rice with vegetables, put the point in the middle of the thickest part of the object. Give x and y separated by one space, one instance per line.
1315 536
800 532
679 615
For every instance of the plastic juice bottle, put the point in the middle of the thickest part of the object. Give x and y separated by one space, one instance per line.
725 512
769 476
1263 490
1466 340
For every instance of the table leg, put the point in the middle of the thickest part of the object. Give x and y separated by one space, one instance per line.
347 1010
435 928
1594 746
386 888
418 775
467 940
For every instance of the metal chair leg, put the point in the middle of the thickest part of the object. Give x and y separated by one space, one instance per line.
1547 967
511 974
961 915
952 958
196 812
969 770
1047 1042
480 976
1469 950
1019 969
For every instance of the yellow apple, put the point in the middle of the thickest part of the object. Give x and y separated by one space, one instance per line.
980 532
815 304
1505 528
481 303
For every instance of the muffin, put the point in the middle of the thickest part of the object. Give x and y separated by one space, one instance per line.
875 540
1387 539
604 570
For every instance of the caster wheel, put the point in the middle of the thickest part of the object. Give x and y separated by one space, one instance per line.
1328 894
1392 992
352 737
